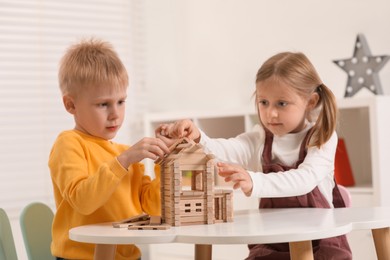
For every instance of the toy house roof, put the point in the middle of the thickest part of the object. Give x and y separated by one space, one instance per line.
186 151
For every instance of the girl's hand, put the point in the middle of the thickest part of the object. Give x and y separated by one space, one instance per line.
236 174
148 147
179 129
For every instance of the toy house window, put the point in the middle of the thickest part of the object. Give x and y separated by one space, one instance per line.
186 178
197 180
217 208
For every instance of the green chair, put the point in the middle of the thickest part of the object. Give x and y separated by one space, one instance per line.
35 222
7 244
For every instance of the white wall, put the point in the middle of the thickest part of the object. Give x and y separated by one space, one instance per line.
33 37
204 54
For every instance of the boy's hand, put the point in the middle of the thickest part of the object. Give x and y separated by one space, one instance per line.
148 147
168 141
179 129
236 174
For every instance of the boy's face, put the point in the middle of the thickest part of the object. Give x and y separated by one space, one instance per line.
98 111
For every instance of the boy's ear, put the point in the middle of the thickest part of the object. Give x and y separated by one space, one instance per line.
313 101
68 104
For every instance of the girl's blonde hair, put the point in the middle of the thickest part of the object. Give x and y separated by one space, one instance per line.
91 62
295 70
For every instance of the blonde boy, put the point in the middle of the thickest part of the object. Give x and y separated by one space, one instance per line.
94 179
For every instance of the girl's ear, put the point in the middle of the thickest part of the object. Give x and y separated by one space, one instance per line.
313 101
69 104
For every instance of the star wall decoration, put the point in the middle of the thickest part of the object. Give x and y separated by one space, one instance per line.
362 69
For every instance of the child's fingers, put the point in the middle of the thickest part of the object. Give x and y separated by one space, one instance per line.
178 130
182 128
236 177
168 141
163 130
160 145
152 147
233 173
226 169
224 173
237 185
154 153
192 135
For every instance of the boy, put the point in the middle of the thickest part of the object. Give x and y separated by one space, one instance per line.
94 179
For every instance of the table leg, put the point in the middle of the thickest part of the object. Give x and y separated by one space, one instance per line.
104 252
203 252
301 250
382 242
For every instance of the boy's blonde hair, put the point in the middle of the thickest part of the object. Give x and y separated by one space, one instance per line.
88 63
295 70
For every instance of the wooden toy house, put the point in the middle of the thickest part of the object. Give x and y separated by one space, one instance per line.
199 203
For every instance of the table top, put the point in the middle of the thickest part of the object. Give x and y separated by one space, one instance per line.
249 226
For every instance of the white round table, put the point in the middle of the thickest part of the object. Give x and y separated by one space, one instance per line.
297 226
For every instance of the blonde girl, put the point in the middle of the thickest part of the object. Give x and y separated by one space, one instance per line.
287 160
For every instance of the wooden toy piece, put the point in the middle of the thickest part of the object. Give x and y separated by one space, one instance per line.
155 220
138 223
142 218
141 222
128 224
202 204
172 148
149 227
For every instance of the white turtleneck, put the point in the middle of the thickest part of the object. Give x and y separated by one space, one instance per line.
246 150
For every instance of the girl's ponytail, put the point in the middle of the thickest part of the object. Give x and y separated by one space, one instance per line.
327 118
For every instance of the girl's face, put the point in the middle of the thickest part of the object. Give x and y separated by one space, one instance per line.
280 108
99 111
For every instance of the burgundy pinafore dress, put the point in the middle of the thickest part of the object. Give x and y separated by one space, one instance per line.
335 248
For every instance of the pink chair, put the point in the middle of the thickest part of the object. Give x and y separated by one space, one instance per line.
346 195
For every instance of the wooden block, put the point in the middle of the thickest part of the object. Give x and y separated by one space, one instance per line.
192 167
185 219
150 227
139 223
141 217
194 149
184 146
192 193
172 193
194 159
211 157
155 220
120 225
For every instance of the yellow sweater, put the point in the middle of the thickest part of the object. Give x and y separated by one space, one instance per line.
90 186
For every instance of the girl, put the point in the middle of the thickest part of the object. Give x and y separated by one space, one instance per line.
288 160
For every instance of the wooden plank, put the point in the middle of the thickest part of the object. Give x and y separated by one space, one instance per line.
301 250
382 242
150 227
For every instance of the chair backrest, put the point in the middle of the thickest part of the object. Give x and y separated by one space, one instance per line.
7 244
346 195
35 222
